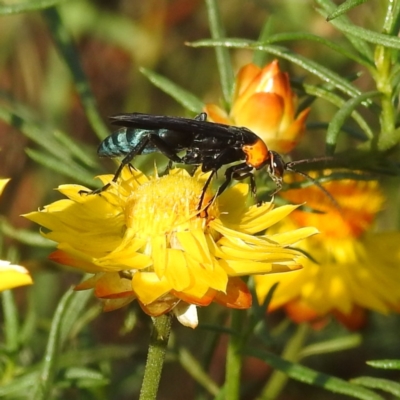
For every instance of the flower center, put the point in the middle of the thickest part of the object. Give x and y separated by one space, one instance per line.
168 204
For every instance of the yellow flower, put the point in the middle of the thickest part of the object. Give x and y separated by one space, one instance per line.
264 103
145 239
354 269
12 276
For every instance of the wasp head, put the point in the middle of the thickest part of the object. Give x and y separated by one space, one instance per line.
276 168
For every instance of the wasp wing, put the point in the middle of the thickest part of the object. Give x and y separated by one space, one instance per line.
179 124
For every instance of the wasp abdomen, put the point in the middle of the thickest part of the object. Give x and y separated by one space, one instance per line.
121 142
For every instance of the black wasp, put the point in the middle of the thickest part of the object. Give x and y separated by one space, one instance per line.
205 143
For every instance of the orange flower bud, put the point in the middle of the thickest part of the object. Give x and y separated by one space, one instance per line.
264 103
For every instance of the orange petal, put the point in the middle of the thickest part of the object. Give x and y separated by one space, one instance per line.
216 114
245 77
112 286
203 301
262 114
114 304
88 283
353 321
64 258
298 311
161 306
237 295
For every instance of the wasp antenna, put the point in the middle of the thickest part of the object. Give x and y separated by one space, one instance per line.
316 183
290 164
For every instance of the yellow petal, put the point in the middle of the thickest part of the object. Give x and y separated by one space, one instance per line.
148 287
177 272
3 183
12 276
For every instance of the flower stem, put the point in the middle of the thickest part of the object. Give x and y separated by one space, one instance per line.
234 357
155 357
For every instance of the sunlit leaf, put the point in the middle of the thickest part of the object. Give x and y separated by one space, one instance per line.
67 49
344 7
339 102
223 59
378 383
311 66
70 170
340 117
296 36
314 378
385 364
331 346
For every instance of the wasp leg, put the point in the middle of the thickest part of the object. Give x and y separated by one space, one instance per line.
238 172
239 175
203 192
137 150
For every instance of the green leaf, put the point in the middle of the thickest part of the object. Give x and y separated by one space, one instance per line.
31 129
191 365
366 35
23 235
385 364
223 58
378 383
11 321
29 5
359 44
259 57
76 149
331 346
312 377
20 386
86 377
57 143
48 371
182 96
65 46
344 7
296 36
340 117
327 94
311 66
68 169
391 24
76 307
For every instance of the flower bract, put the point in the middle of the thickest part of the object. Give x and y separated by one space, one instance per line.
265 103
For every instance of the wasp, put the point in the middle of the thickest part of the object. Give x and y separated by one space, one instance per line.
211 145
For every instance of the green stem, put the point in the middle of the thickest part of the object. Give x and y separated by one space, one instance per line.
155 357
234 356
291 353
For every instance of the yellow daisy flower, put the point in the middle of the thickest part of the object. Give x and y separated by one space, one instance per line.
264 103
12 276
145 239
353 270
